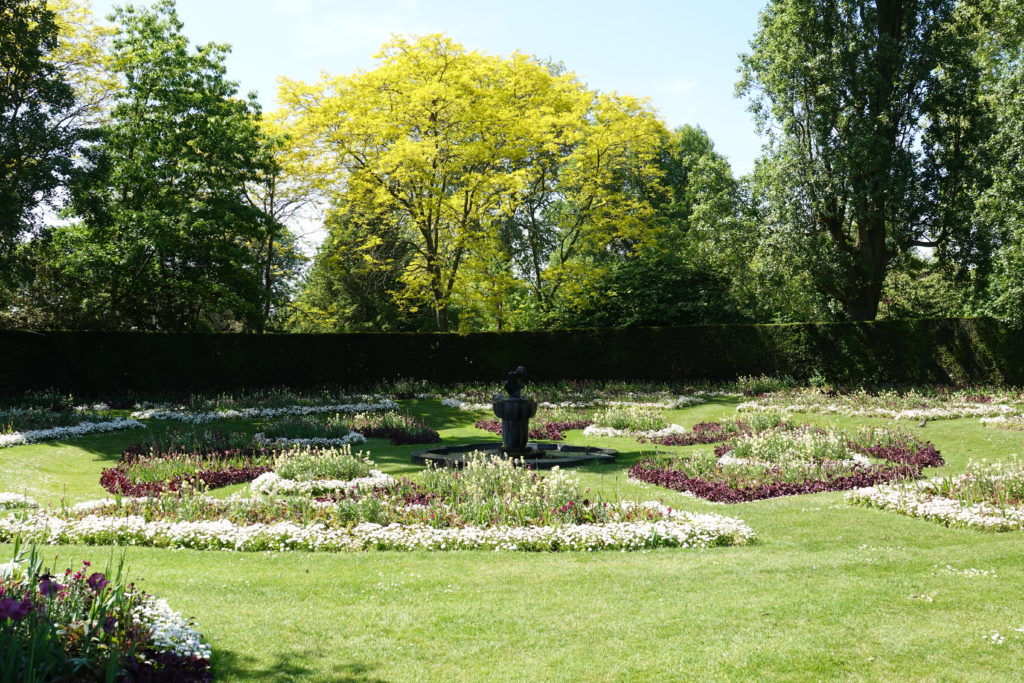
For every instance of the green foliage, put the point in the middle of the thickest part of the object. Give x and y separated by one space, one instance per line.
876 129
632 418
493 175
1002 207
327 463
762 384
166 238
35 148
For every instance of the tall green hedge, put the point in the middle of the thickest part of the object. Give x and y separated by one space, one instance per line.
917 351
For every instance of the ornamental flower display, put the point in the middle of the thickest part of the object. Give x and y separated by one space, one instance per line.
785 462
987 497
183 415
67 432
909 405
91 625
490 504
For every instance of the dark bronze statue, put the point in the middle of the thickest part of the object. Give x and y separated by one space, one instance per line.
515 382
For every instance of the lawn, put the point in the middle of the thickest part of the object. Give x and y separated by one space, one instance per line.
829 590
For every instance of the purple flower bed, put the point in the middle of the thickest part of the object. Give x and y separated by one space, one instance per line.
907 450
117 481
549 431
700 433
653 472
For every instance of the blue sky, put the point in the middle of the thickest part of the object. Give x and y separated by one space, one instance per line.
681 54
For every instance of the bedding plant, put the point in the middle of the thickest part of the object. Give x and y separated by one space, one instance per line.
90 625
783 462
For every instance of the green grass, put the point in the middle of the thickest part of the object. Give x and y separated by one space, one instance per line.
826 593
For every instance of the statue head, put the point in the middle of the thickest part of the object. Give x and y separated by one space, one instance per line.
515 382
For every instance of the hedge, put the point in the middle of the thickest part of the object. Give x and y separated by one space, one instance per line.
957 351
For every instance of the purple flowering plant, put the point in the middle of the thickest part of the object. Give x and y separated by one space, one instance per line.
79 625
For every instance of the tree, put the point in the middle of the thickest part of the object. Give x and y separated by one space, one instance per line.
876 129
165 230
697 269
1002 206
82 56
458 143
35 153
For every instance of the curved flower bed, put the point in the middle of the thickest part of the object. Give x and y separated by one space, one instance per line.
350 438
271 484
118 481
1012 422
897 406
89 625
654 472
792 462
682 530
72 431
488 504
468 404
550 431
254 413
989 497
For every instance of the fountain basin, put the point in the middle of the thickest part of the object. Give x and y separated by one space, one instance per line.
540 456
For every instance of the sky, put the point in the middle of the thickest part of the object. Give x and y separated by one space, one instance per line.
681 54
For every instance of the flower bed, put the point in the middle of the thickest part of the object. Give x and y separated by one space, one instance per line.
1013 422
684 530
262 412
549 431
490 504
69 432
11 501
911 405
346 440
786 462
89 625
34 418
187 460
702 432
471 404
989 497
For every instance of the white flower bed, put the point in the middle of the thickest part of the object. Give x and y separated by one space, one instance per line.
350 438
918 499
594 430
270 483
949 412
682 529
1015 421
9 501
171 632
668 404
254 413
80 429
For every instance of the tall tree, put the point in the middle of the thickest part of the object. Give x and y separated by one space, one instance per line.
875 129
457 142
1002 206
167 232
35 152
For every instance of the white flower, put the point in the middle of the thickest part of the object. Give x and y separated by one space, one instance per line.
253 413
80 429
16 500
350 438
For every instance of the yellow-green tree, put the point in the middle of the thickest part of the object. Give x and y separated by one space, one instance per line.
479 154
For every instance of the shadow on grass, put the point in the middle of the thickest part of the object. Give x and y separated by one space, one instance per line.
293 666
439 416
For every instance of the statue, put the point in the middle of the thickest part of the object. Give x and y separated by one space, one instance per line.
515 382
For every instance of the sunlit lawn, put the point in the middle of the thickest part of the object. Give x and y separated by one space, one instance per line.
828 591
